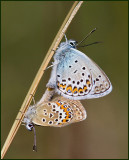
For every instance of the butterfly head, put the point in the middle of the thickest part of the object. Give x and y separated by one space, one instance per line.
68 44
29 126
28 123
72 43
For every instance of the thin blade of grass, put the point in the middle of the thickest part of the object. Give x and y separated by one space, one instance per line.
32 90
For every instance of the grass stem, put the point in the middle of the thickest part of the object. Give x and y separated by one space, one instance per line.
32 90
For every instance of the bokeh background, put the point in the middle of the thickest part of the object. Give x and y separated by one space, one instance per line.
28 29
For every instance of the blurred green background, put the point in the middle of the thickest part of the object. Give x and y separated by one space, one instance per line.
28 29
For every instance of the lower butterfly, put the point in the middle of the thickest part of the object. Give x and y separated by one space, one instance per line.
56 113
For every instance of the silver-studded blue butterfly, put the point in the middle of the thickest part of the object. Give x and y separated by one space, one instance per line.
75 76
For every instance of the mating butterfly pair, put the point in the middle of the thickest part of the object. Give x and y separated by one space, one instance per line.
74 76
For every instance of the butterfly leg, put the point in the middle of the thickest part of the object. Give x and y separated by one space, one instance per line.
33 98
65 38
52 81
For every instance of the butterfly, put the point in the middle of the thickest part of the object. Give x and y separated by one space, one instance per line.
75 76
56 113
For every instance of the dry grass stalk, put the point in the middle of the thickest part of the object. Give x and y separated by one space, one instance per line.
32 90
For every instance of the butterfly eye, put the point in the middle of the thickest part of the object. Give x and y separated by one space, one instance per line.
72 44
29 126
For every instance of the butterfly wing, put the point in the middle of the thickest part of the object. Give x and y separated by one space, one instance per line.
59 112
78 77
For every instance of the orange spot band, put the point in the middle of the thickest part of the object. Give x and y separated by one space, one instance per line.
80 90
75 90
62 86
69 88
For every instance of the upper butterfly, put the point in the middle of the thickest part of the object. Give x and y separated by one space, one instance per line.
75 76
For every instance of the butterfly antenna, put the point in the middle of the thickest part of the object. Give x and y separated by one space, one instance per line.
87 36
34 146
90 44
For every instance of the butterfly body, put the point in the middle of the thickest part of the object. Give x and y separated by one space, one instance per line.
76 76
56 113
